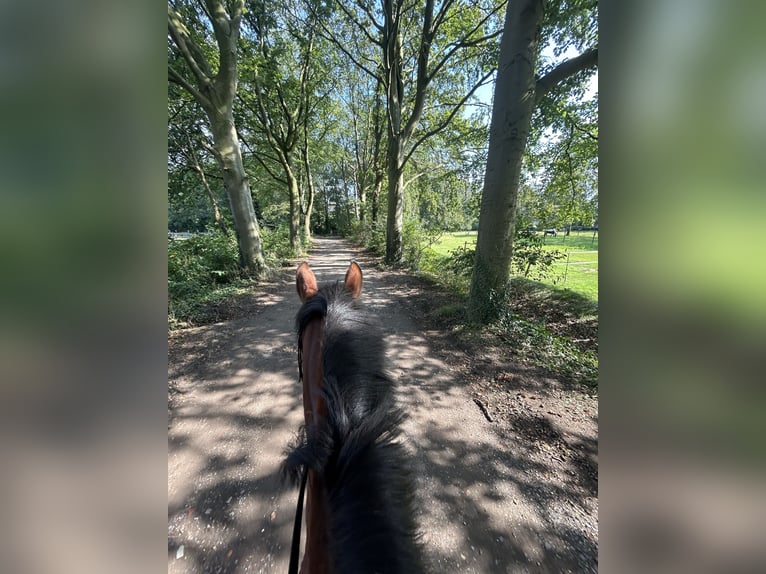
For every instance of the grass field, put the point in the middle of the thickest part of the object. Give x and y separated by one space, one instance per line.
578 273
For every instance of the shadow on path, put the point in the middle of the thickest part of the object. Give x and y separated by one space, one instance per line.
491 499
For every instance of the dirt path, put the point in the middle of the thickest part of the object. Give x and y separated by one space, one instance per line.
517 494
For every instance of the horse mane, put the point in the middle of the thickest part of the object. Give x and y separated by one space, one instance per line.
356 451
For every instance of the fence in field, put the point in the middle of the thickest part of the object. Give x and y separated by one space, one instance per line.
566 263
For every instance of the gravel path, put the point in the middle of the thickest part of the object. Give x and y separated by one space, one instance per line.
514 495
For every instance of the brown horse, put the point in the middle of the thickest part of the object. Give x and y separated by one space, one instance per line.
360 511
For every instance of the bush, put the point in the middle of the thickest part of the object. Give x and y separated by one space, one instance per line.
417 240
276 243
460 261
371 234
531 340
198 269
206 259
529 258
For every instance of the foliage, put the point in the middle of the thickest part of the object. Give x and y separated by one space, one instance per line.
201 270
453 270
276 243
460 261
417 241
371 234
530 258
532 341
540 323
202 260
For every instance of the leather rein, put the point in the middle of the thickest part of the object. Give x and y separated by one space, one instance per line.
295 547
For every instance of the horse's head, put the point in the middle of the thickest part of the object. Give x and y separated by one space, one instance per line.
359 492
311 334
317 558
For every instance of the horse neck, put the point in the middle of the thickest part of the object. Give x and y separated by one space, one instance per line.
370 510
316 558
314 407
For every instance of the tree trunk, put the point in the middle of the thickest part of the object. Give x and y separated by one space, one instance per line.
310 190
295 211
514 103
395 219
392 58
215 93
326 213
237 186
362 197
376 194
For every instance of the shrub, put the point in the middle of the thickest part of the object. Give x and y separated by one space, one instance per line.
460 261
198 269
371 234
529 259
276 243
531 340
202 260
417 239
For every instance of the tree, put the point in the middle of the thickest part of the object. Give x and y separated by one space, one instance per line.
363 99
215 90
415 47
186 136
517 92
281 79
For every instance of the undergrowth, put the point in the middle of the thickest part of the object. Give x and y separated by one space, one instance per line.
551 328
532 341
204 273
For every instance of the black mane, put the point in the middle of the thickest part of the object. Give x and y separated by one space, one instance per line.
356 452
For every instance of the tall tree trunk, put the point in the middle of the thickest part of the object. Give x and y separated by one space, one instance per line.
357 190
215 93
326 212
516 95
376 194
295 210
392 58
514 103
378 126
309 200
395 219
362 200
237 186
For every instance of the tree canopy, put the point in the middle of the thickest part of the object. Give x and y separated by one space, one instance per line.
372 118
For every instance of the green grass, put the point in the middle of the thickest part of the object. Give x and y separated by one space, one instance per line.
452 240
580 276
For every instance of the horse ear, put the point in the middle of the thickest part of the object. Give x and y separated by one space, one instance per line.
353 280
305 282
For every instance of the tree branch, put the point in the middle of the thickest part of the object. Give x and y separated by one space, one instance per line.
466 43
413 178
196 61
327 35
583 130
422 79
174 76
446 122
358 24
203 142
567 68
371 16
